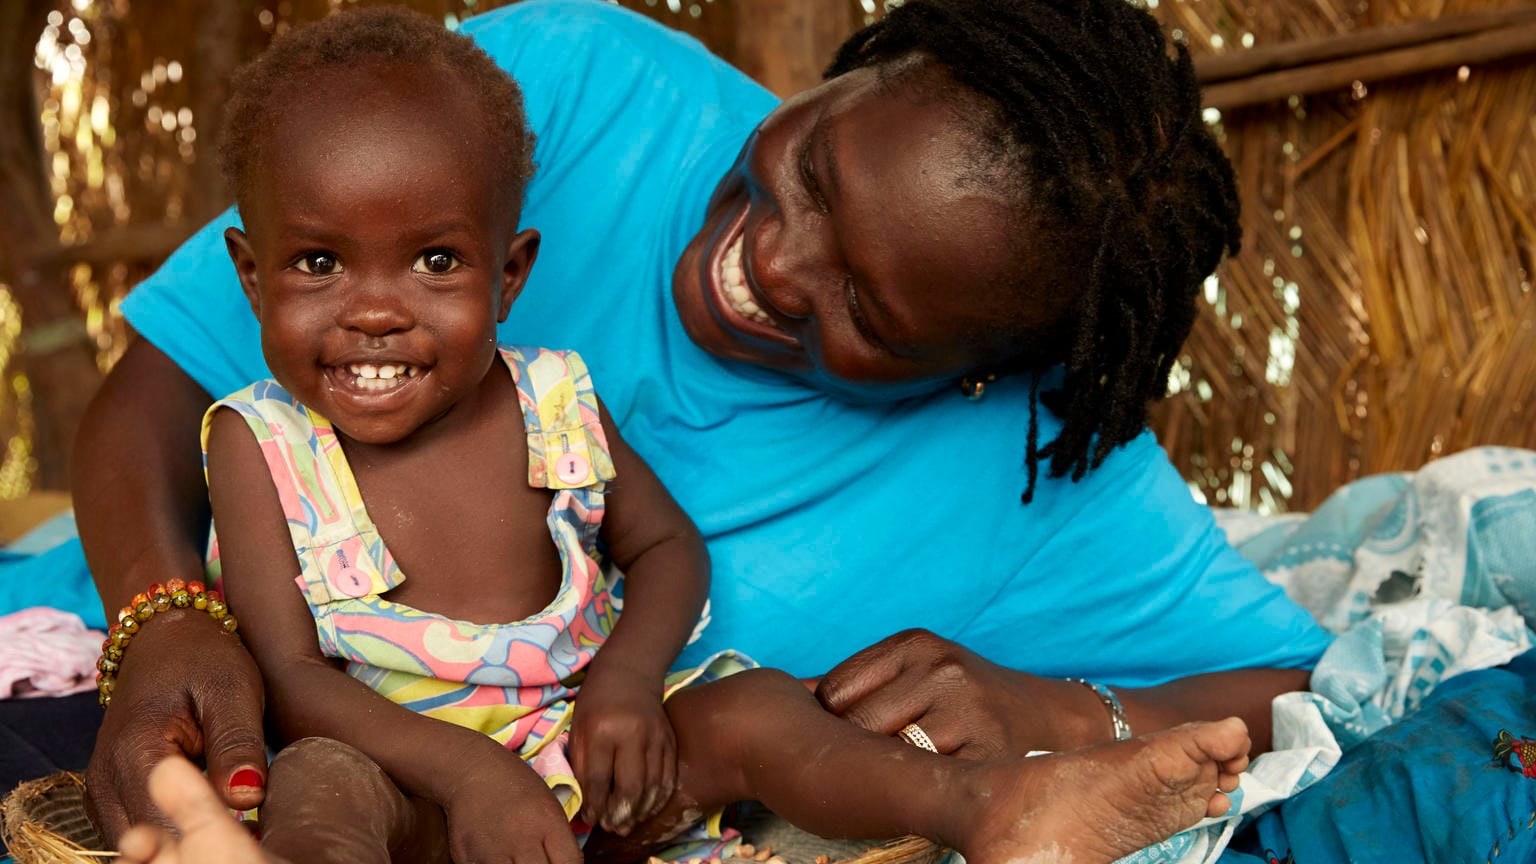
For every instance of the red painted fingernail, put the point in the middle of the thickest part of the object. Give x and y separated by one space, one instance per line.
249 777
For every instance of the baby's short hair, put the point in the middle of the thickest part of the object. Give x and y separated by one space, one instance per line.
361 36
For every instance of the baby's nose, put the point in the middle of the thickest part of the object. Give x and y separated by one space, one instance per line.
375 313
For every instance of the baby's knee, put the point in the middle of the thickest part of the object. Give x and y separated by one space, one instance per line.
745 695
323 757
317 766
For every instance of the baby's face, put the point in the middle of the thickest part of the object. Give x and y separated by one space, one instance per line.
379 256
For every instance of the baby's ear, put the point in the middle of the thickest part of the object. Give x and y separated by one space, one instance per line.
521 253
244 258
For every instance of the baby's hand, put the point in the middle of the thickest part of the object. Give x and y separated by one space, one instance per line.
623 752
504 812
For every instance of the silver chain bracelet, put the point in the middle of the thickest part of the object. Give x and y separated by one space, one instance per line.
1112 703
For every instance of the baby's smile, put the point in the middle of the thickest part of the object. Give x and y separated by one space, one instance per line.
372 377
381 376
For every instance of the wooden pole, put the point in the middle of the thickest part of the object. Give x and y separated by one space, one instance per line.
785 44
223 36
1286 55
60 364
1480 47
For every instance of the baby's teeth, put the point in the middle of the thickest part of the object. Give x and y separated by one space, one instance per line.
369 376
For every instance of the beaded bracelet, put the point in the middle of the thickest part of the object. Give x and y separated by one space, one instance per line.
1111 703
174 594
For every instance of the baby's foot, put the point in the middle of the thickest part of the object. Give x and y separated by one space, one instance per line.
1095 805
209 835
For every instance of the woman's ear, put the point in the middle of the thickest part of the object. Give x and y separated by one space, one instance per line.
521 253
244 258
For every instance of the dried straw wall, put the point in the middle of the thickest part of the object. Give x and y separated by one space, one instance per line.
1380 313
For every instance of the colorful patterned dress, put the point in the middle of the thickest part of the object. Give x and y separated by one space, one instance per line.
515 682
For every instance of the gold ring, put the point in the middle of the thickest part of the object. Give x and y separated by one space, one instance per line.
913 734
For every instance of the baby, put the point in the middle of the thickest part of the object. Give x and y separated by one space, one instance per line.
476 708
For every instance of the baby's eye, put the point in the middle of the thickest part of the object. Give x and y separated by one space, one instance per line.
319 264
436 261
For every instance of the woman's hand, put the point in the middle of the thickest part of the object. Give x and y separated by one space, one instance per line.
500 810
622 749
207 833
185 688
969 706
974 708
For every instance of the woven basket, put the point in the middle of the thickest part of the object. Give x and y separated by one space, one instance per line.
44 822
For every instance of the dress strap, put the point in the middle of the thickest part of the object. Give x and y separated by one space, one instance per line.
340 553
567 448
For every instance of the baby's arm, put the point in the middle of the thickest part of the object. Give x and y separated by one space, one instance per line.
622 746
466 772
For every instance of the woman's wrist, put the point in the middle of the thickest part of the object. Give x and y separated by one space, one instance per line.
1079 718
155 608
154 565
1119 724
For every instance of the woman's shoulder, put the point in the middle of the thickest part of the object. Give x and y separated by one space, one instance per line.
566 26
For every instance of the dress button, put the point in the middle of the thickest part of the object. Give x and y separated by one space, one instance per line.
572 469
351 582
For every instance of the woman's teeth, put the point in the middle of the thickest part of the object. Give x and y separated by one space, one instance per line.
384 376
735 282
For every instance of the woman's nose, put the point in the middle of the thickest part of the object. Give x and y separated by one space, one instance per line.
783 260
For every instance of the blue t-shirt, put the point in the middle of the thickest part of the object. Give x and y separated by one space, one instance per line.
830 524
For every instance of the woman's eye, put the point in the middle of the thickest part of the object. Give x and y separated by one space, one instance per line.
436 262
808 178
319 264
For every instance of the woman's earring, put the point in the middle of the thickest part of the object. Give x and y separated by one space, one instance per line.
975 388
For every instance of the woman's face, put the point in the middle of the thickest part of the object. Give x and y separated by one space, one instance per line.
855 237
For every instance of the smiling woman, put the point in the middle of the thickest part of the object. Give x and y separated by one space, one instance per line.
846 247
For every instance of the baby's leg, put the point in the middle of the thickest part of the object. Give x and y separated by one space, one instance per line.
761 735
326 801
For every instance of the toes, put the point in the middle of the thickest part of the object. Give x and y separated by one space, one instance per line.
1218 806
1224 740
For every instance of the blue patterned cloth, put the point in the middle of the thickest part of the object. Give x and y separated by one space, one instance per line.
1430 788
1426 578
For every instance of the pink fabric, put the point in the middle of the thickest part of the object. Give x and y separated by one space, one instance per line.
47 652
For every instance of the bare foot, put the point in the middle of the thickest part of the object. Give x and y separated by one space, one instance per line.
1098 804
328 802
208 833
